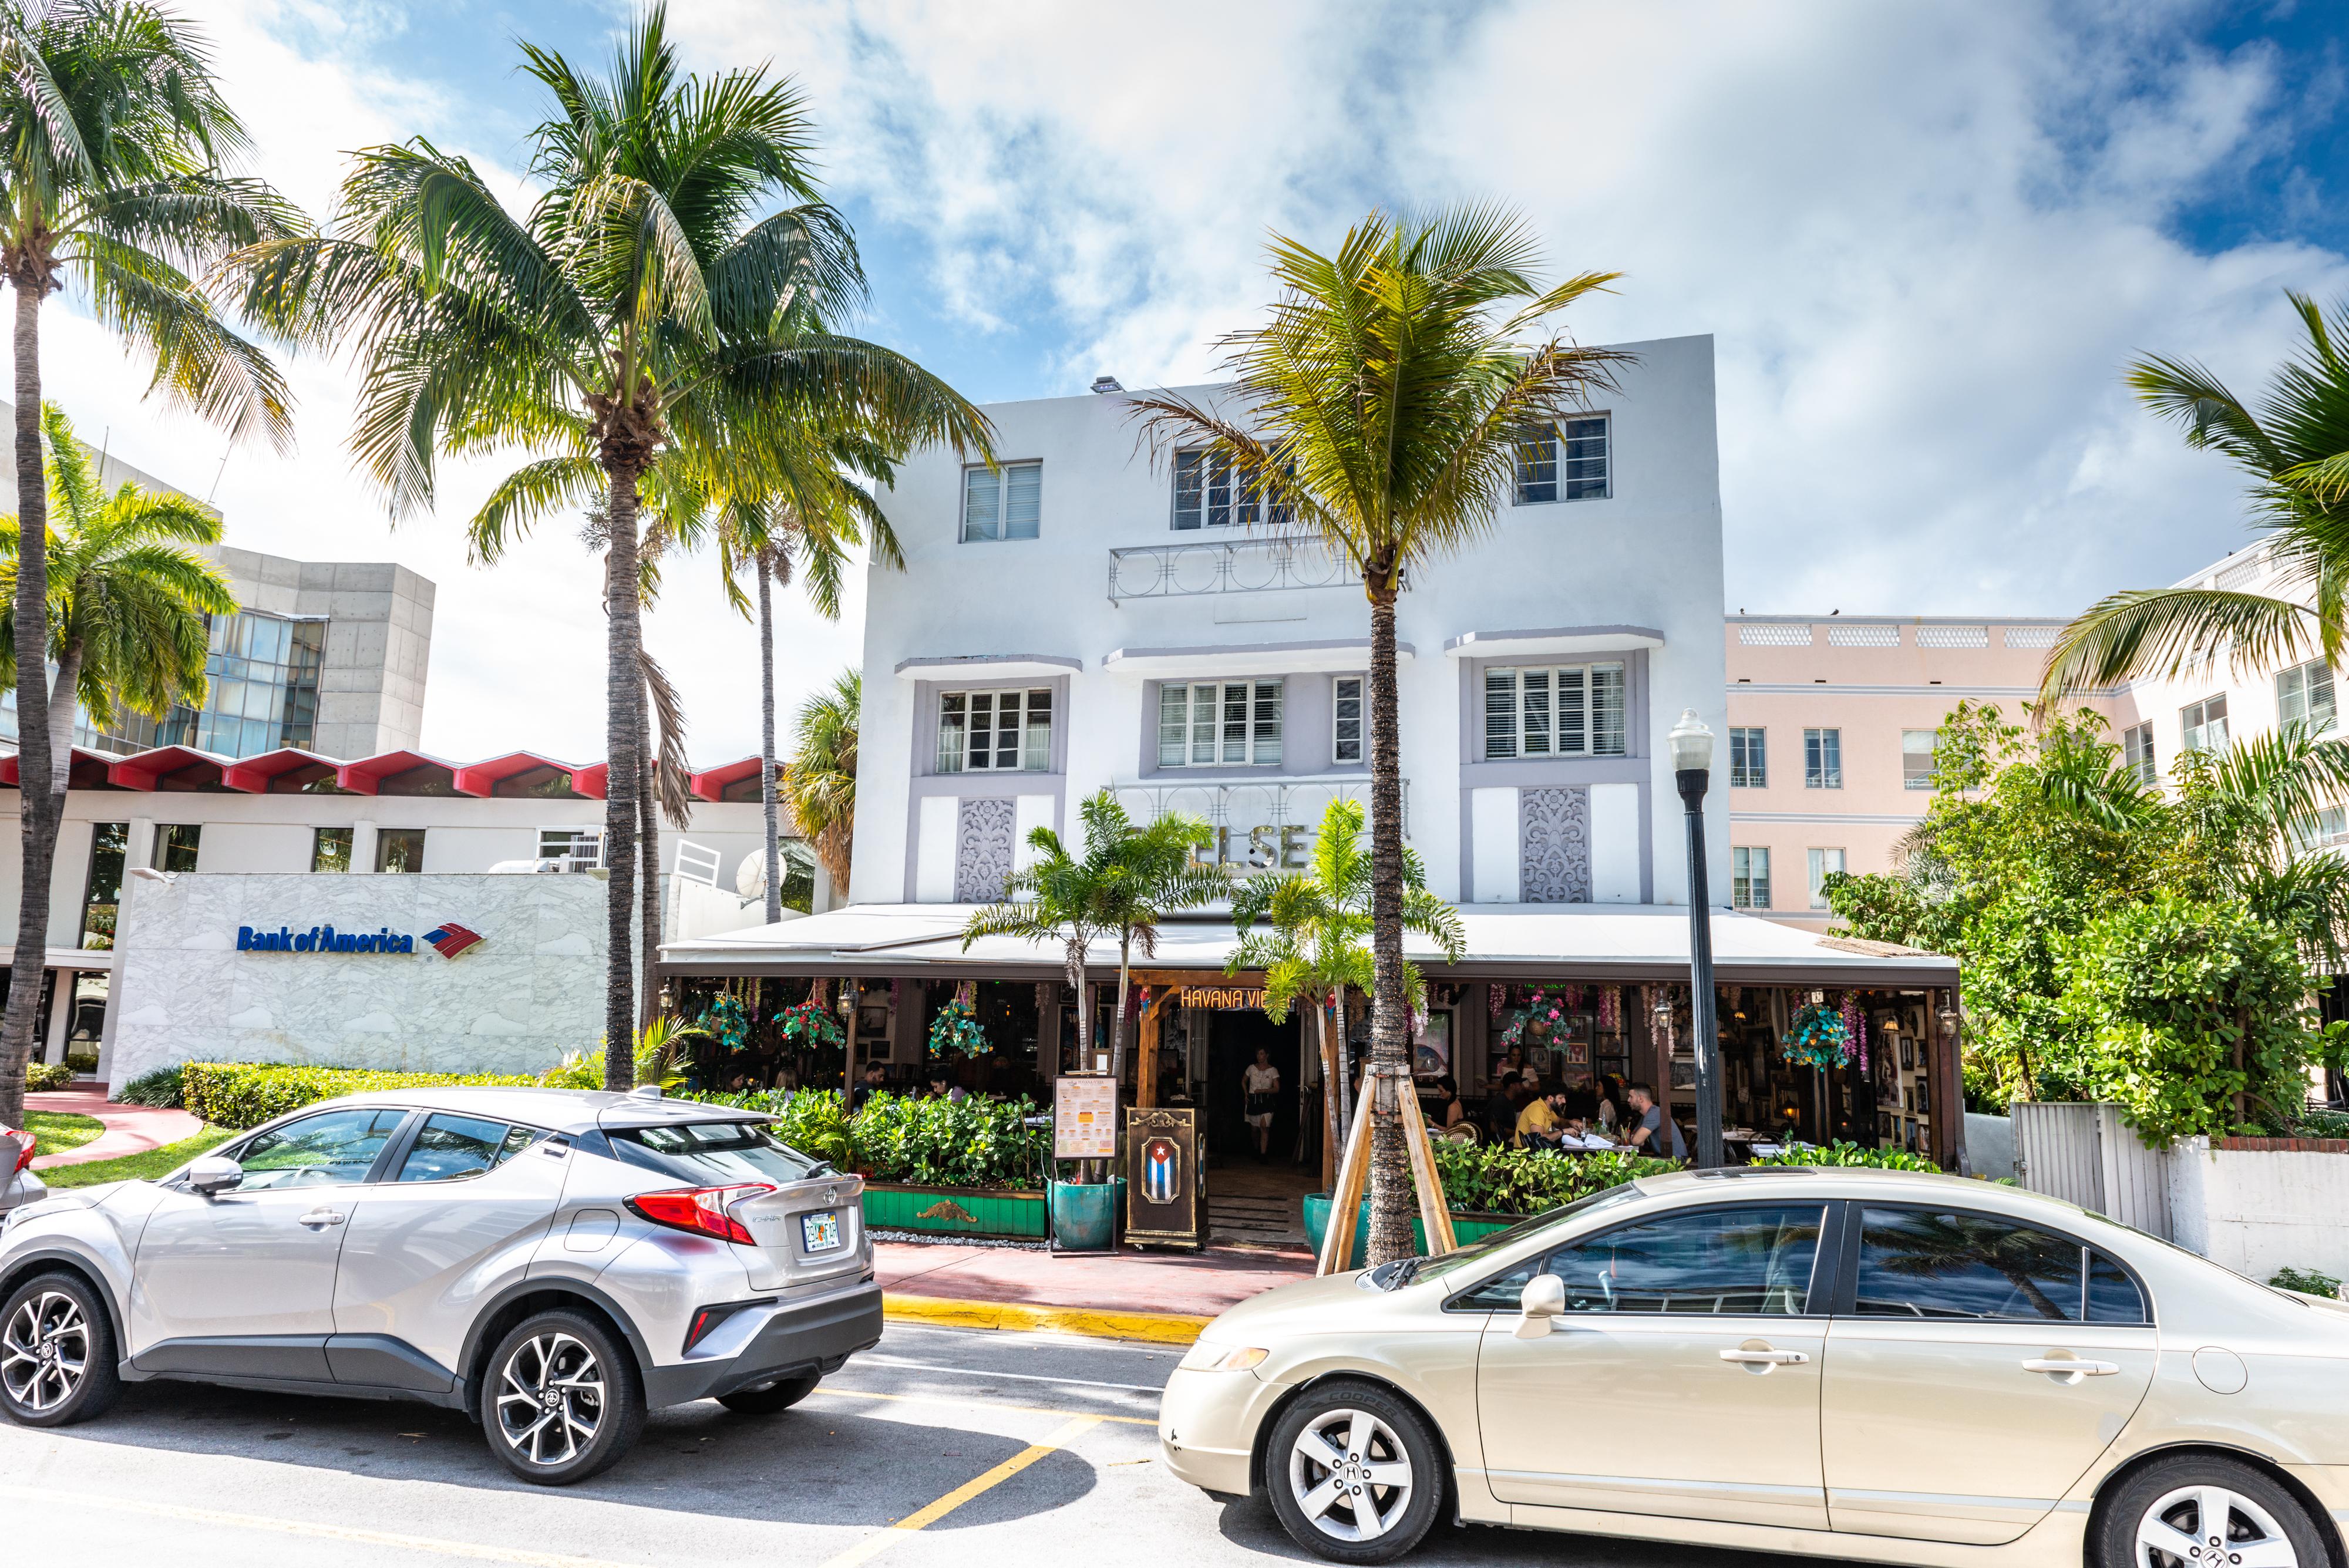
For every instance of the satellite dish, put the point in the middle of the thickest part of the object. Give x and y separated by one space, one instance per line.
750 877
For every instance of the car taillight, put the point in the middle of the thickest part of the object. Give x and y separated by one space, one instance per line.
15 1150
700 1210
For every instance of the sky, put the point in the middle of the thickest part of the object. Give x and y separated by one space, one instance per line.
1927 239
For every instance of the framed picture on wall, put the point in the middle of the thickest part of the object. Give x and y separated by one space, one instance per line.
1907 1053
1924 1098
1684 1071
1431 1050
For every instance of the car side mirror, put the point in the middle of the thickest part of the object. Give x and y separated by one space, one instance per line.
212 1175
1543 1299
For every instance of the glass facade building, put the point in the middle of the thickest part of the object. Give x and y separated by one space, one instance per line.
262 690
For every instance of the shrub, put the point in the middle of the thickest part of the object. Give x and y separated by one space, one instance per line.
947 1143
247 1094
1486 1179
161 1087
42 1077
2307 1281
1842 1153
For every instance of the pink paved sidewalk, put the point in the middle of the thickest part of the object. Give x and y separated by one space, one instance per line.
130 1129
1195 1284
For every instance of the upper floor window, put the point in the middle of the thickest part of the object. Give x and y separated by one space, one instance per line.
176 846
1825 862
1916 758
1209 724
1559 710
400 849
996 732
1348 734
1823 759
1749 759
1208 494
102 893
330 849
1006 503
2136 753
578 848
2204 725
1564 461
1749 878
2304 696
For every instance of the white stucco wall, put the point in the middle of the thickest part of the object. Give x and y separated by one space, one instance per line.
530 992
2258 1211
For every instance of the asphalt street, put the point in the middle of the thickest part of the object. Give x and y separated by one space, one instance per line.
942 1449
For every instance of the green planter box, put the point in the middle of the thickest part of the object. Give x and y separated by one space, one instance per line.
954 1210
1466 1228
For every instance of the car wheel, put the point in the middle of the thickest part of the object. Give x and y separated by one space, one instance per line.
1353 1472
57 1352
562 1401
768 1398
2207 1511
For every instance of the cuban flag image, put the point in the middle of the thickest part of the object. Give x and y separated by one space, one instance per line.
452 939
1160 1171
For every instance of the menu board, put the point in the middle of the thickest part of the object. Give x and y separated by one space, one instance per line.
1084 1117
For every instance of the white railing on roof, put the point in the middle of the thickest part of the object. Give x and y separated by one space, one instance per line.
1239 566
1954 637
2032 635
697 862
1864 635
1774 634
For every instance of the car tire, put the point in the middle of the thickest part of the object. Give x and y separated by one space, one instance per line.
561 1398
58 1359
1354 1473
2172 1495
771 1398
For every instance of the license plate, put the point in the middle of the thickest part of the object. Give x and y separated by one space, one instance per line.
819 1233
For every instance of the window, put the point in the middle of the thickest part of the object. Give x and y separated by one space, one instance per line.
1208 494
2320 829
1749 759
579 849
1916 758
2204 725
1565 461
451 1147
2136 753
1564 710
1823 759
1210 723
330 849
1938 1263
998 731
175 846
2304 696
1750 1261
1825 862
1749 878
709 1153
400 849
261 692
332 1149
1347 734
102 891
1007 503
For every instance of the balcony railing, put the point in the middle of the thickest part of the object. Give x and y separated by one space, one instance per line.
1258 825
1240 566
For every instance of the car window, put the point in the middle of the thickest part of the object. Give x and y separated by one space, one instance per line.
1483 1247
331 1150
448 1148
1747 1260
710 1153
1946 1263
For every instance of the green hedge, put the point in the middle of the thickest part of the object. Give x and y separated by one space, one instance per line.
1486 1179
43 1076
917 1140
1850 1154
247 1094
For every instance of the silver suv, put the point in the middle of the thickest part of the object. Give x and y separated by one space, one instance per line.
552 1261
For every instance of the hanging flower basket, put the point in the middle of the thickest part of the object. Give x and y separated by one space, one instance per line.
810 1023
1817 1037
956 1030
1544 1015
727 1022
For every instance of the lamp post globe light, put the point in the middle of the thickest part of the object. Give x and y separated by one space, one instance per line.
1691 748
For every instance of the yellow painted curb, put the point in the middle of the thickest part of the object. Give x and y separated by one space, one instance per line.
1160 1328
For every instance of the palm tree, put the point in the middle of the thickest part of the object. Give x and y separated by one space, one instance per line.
112 138
821 782
1388 400
1313 950
641 306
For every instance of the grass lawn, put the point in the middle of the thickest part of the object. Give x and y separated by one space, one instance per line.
154 1162
54 1132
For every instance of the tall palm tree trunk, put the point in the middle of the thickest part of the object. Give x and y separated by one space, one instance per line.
765 562
62 686
624 690
1390 1203
1084 1013
1117 1018
1333 1092
649 868
38 807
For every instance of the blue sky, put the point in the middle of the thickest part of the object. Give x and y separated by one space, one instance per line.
1927 240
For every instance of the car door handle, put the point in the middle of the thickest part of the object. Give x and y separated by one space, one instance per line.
1766 1357
319 1219
2070 1369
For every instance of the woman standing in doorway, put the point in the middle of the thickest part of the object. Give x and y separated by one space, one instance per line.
1260 1083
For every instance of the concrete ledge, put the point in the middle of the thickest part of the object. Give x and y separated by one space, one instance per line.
1157 1328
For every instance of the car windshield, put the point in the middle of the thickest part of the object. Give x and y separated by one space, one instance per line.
708 1153
1485 1246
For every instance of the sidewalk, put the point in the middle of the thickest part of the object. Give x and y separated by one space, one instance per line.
1167 1296
130 1129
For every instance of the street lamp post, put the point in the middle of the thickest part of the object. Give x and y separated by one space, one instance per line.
1692 745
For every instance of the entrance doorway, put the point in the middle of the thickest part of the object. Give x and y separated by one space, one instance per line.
1250 1204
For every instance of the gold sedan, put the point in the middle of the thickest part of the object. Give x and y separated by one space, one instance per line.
1858 1363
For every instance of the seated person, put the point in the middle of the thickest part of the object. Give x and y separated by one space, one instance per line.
1537 1124
1652 1132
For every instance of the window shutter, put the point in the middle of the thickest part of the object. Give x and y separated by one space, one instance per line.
1173 724
1500 713
1607 710
1534 714
950 732
1235 721
981 490
1573 713
1267 721
1186 493
1023 500
1346 741
1203 699
1036 758
1219 491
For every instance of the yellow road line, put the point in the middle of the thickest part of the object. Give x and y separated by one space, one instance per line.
873 1545
50 1498
958 1402
1157 1327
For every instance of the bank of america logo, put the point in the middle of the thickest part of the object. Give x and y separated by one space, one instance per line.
452 939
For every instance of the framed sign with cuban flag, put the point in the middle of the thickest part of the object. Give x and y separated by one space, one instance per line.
1163 1204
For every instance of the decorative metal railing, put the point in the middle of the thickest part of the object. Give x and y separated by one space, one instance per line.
1236 566
1259 826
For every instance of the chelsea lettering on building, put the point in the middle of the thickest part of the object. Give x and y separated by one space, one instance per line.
449 941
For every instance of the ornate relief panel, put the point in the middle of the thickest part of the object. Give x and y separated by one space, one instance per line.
983 843
1553 846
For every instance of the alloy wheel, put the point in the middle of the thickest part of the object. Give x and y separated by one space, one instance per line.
1352 1476
551 1398
44 1351
2211 1527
